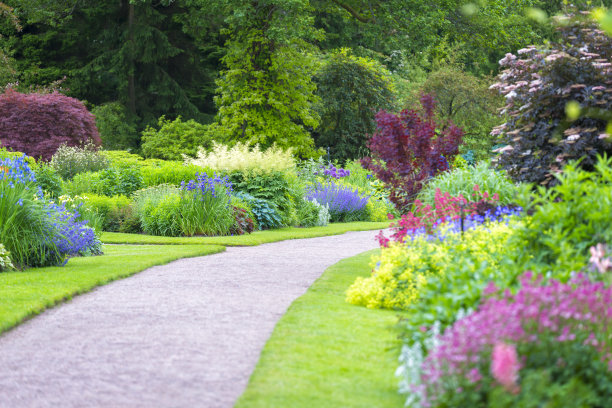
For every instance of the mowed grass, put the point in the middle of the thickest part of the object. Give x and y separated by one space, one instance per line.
256 238
24 294
327 353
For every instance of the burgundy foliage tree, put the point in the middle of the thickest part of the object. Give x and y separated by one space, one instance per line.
410 148
37 124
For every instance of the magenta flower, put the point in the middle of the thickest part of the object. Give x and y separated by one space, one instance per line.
505 366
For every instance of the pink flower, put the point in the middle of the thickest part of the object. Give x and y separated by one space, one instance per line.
505 366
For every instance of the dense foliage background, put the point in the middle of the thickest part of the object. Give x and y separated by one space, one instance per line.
250 69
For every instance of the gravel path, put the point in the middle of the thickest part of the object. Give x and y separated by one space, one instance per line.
186 334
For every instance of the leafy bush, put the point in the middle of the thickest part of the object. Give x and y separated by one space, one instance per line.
170 172
69 161
48 180
538 86
116 126
175 139
402 273
161 216
5 259
242 158
265 211
155 171
114 212
462 180
351 89
275 187
409 149
38 124
467 101
567 220
345 203
554 338
243 222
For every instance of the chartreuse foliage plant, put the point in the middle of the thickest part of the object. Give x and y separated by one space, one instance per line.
174 139
539 83
462 181
351 90
568 219
400 274
38 124
266 94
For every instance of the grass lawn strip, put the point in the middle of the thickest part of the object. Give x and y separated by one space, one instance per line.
325 352
256 238
28 293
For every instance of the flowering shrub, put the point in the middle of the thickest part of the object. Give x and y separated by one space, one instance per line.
69 161
37 124
560 332
405 272
409 149
446 208
538 84
243 158
35 232
345 203
73 237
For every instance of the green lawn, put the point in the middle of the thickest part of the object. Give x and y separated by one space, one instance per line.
256 238
25 294
327 353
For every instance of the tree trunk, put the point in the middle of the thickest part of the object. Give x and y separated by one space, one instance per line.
131 65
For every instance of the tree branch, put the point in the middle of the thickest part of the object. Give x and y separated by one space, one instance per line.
354 12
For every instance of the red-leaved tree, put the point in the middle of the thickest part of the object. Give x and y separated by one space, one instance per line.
410 148
37 124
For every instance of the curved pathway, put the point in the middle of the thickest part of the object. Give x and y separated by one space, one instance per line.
186 334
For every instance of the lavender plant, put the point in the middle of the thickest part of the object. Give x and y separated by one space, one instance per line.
345 204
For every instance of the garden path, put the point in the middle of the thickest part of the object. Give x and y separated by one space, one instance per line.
186 334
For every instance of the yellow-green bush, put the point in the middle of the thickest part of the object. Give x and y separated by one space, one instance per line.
400 271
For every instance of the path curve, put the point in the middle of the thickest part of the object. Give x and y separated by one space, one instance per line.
185 334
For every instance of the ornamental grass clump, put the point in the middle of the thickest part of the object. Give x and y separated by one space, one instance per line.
345 203
69 161
206 206
549 342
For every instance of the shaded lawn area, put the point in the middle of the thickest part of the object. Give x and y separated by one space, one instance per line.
256 238
325 352
24 294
